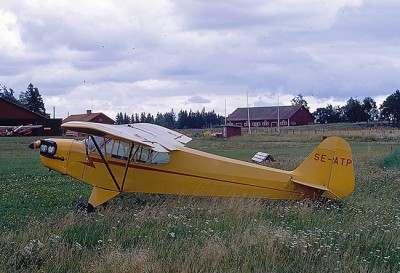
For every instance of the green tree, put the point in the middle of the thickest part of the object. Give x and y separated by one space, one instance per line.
390 108
126 119
183 118
142 117
119 118
32 100
211 119
299 100
370 109
8 94
328 114
354 111
149 118
170 119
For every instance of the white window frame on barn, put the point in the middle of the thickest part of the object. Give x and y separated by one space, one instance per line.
265 123
256 124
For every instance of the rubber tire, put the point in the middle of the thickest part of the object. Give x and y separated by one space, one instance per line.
83 206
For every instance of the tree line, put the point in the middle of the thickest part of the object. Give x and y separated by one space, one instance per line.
365 110
184 119
29 99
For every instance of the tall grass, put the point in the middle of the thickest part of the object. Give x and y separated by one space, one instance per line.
391 161
156 233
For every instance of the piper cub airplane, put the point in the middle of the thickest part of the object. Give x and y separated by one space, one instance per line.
148 158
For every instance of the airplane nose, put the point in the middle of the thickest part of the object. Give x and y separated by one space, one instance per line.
53 153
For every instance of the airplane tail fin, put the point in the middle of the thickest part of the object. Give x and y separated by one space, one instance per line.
329 168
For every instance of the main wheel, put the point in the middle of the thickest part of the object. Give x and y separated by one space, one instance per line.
83 206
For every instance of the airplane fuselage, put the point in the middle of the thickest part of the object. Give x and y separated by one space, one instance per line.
148 158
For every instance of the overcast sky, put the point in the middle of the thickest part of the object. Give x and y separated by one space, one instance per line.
154 56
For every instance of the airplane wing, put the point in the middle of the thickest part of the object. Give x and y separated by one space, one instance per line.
158 138
31 126
21 127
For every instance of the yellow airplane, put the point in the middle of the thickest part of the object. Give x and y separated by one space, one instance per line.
148 158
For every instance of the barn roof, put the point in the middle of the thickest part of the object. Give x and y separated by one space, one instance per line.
263 113
89 116
11 110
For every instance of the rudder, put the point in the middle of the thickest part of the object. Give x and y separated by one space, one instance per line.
329 167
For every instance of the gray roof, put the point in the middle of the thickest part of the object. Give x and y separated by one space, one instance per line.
263 113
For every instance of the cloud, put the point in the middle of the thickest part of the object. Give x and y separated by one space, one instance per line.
198 99
151 56
11 37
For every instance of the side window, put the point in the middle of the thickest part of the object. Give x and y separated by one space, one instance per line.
90 145
120 150
142 154
109 145
105 145
159 158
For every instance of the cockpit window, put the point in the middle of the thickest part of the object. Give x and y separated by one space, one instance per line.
142 154
120 150
90 145
109 145
159 158
105 145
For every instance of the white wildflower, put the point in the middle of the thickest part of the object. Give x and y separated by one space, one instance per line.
32 246
77 246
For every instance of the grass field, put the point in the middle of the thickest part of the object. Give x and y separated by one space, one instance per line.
152 233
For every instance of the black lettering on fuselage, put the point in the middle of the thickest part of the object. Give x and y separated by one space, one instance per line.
342 161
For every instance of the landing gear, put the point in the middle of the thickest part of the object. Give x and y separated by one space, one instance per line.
86 207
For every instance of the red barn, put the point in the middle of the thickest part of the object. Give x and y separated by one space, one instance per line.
91 117
268 116
12 114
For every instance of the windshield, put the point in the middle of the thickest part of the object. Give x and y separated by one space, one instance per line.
119 149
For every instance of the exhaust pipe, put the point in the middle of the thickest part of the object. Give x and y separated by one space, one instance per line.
35 144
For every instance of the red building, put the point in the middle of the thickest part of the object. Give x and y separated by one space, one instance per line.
90 117
231 130
12 114
268 116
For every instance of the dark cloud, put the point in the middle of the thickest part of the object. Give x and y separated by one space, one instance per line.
198 99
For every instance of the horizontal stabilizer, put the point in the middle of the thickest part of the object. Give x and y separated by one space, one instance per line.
308 184
315 186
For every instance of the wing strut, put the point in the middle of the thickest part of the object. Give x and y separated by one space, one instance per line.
127 165
105 163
